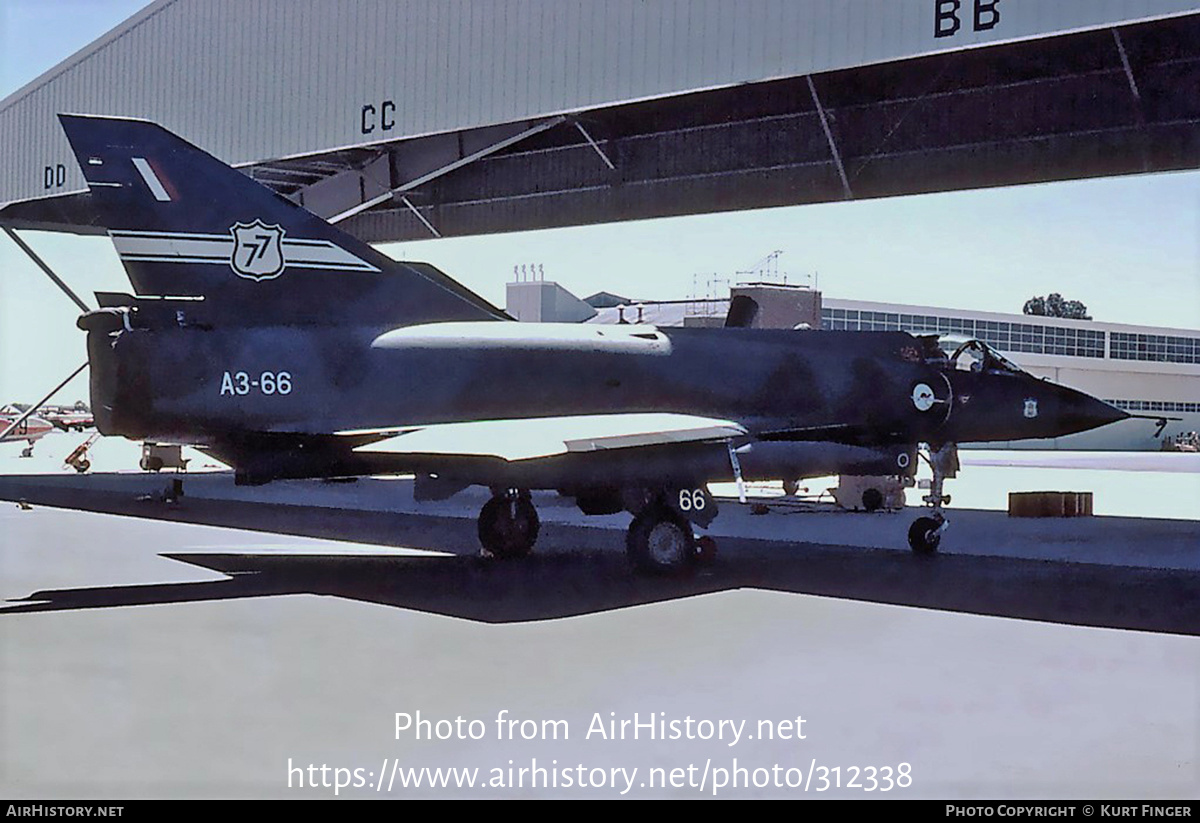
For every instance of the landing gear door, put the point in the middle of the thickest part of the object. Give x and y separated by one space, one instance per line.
693 504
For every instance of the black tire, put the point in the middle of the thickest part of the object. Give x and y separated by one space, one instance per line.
872 499
83 465
508 529
660 542
924 537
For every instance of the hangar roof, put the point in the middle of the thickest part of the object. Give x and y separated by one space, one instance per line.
460 117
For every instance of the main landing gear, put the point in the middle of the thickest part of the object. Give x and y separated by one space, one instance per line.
925 533
508 524
660 539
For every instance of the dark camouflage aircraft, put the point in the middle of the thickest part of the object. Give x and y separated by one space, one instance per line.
289 349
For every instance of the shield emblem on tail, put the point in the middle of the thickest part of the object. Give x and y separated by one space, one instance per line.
257 250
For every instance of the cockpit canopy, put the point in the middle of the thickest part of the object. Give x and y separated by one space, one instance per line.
972 354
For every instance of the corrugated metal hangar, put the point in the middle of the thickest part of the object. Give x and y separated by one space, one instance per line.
452 117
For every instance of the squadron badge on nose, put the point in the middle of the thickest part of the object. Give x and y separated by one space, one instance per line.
257 250
923 397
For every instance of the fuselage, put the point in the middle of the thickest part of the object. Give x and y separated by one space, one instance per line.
202 383
30 429
215 386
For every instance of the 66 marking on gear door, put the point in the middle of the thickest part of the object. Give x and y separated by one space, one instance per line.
240 383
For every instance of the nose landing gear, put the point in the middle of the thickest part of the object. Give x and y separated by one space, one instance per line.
925 533
508 524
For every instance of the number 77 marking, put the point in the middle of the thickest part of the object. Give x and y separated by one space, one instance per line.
258 250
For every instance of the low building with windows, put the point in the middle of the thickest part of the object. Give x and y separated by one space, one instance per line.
1142 369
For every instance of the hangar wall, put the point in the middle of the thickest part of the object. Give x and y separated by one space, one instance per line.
255 81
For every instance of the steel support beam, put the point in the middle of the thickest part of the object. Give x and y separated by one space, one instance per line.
419 216
457 164
833 149
593 144
41 264
1133 87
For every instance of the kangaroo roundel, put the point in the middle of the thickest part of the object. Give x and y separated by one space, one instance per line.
257 250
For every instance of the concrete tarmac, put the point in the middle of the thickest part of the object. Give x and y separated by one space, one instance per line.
1129 573
141 658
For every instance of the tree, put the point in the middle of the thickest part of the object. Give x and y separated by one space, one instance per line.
1075 310
1035 305
1053 305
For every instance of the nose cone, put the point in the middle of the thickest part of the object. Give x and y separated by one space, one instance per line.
1018 406
1079 412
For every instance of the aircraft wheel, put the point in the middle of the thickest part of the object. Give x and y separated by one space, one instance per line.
508 527
660 542
924 536
872 499
83 465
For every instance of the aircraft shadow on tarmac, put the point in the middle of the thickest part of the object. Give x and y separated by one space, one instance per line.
579 570
563 585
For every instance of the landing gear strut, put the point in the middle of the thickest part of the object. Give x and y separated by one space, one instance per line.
508 524
925 533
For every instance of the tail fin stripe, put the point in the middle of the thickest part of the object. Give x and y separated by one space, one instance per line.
224 261
149 258
173 234
165 247
320 264
147 173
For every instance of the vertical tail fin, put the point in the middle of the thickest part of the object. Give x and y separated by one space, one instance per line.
184 223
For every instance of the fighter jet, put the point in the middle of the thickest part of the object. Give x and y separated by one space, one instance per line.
290 349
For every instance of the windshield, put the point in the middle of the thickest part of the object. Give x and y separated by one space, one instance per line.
975 355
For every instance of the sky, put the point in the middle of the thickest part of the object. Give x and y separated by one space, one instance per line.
1128 247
